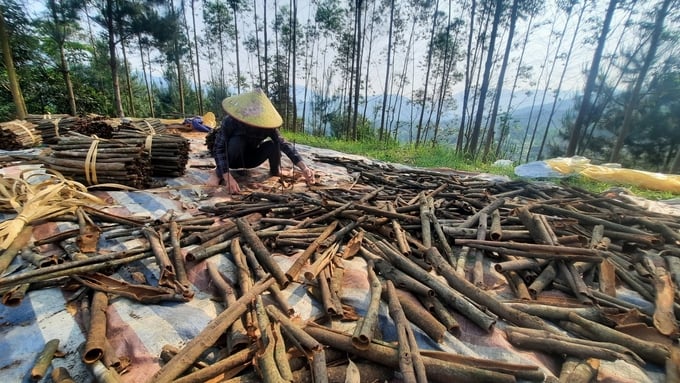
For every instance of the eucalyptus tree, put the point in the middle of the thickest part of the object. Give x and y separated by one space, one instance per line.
567 59
486 78
388 67
428 63
584 109
106 19
218 31
522 72
237 7
193 53
517 8
329 18
8 60
468 77
60 24
446 55
567 7
634 98
169 39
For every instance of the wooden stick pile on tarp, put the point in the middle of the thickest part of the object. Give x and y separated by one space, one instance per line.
559 249
19 134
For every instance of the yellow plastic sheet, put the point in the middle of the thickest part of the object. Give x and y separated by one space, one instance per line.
615 174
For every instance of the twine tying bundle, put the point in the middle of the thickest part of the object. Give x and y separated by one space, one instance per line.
91 162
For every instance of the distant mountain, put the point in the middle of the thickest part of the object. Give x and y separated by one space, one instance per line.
407 114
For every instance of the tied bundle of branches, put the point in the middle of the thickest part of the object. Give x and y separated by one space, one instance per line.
95 161
37 118
52 128
42 200
143 126
18 134
169 153
98 126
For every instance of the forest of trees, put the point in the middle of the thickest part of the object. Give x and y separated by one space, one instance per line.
489 78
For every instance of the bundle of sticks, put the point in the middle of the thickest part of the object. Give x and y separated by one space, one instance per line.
144 126
95 161
19 134
52 128
36 118
438 248
169 153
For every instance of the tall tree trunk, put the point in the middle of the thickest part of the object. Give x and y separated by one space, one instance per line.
294 63
634 99
238 55
548 81
66 72
387 72
149 97
584 110
430 50
486 79
357 68
506 124
178 65
402 80
185 24
559 85
368 57
448 63
468 79
128 83
266 45
258 56
113 60
198 61
14 86
501 78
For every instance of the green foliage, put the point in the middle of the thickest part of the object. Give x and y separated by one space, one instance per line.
439 156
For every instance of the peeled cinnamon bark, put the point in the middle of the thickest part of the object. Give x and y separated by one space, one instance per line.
195 347
96 333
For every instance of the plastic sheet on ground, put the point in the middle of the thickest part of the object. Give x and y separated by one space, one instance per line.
139 331
613 173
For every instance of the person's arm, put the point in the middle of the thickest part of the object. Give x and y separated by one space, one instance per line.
222 161
294 156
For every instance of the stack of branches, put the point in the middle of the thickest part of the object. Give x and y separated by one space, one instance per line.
169 153
95 126
37 118
18 134
144 126
95 161
428 239
52 128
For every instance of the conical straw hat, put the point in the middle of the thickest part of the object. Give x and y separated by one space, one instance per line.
253 108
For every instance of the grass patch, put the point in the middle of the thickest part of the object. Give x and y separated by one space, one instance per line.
440 156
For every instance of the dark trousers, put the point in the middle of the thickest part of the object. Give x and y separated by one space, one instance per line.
244 155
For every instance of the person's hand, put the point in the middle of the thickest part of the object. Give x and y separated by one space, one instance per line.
231 184
309 175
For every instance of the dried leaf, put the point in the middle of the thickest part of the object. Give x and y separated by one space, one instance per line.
353 375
